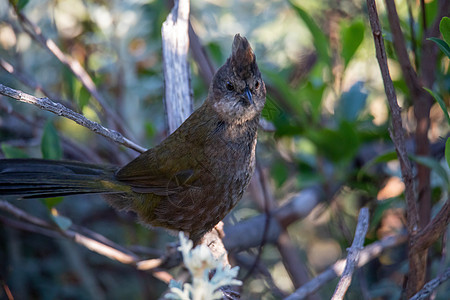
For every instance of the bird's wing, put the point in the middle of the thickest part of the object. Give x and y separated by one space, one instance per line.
162 170
161 184
174 165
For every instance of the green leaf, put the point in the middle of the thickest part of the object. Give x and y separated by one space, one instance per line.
215 51
442 45
352 103
50 144
431 11
312 96
83 97
440 102
351 37
447 151
319 38
444 28
62 222
271 110
279 173
293 101
337 145
432 164
69 83
13 152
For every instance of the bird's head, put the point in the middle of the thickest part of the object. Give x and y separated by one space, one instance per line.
237 91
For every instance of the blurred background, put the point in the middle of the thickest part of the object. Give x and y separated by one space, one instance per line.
326 132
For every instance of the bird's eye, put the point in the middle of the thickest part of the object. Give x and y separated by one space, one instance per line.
257 84
230 86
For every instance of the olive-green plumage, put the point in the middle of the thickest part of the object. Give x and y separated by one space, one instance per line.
191 180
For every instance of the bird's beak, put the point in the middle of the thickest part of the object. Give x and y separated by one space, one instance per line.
248 95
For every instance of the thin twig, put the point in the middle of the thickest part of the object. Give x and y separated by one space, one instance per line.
428 288
77 69
293 263
267 214
61 110
175 44
297 208
353 254
89 243
110 250
205 66
367 254
262 195
413 34
397 133
5 287
409 74
8 67
22 215
25 226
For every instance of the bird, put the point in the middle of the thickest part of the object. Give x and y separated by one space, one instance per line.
191 180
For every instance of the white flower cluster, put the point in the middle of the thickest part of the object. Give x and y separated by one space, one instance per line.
200 262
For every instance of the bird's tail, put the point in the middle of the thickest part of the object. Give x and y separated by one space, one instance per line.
39 178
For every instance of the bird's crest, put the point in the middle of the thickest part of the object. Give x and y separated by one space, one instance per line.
243 61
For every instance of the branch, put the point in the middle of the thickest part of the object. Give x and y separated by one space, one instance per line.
353 254
28 81
431 286
108 249
262 194
61 110
298 207
77 69
427 236
89 243
397 133
400 48
422 104
367 254
205 66
417 261
175 44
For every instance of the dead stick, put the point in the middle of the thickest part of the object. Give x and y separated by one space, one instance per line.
353 254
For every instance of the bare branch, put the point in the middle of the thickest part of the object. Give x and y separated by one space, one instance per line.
431 286
26 80
77 69
417 261
175 44
205 66
89 243
353 254
422 104
262 195
397 133
427 236
298 207
22 215
61 110
400 48
367 254
108 249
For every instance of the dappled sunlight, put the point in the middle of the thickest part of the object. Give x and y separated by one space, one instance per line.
329 142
